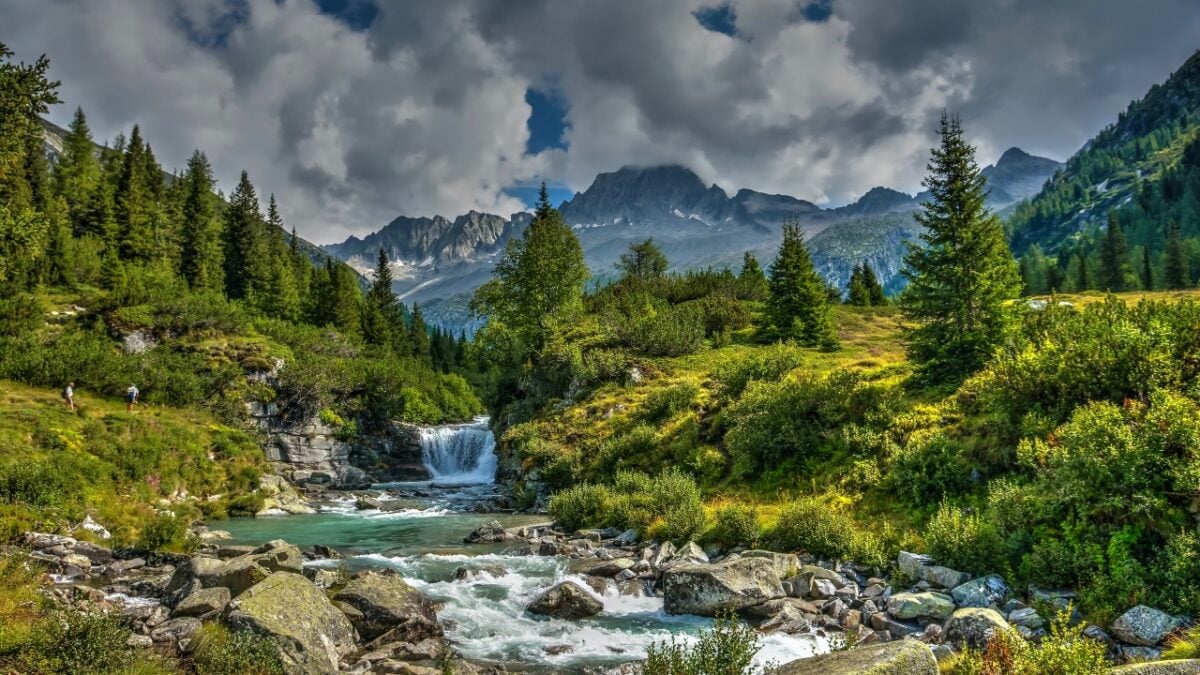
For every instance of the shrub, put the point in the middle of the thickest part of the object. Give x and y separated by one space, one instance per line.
34 483
72 641
1065 651
737 523
963 542
926 471
580 506
663 404
219 651
768 364
1176 569
814 525
664 331
726 649
166 531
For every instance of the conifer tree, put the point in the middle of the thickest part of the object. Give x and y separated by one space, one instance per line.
419 333
347 300
798 305
245 248
963 273
1083 279
643 262
77 171
857 293
1175 265
379 310
752 278
874 288
135 203
1113 264
1147 270
201 262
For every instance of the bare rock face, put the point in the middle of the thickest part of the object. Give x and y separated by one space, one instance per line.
566 600
708 589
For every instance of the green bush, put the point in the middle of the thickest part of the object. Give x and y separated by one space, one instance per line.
928 470
664 404
580 506
166 531
1065 651
72 641
219 651
726 649
737 524
962 541
768 364
814 525
663 330
34 483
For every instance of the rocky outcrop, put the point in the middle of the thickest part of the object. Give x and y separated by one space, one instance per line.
566 600
312 635
386 604
1144 626
902 657
708 589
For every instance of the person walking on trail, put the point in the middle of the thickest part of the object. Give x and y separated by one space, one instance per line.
68 395
131 397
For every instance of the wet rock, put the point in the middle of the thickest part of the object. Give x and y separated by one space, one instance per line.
974 626
603 568
982 592
1144 626
490 533
566 600
322 577
311 634
920 605
886 624
470 573
390 605
368 504
691 552
708 589
902 657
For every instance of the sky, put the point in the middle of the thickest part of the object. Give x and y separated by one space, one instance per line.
355 111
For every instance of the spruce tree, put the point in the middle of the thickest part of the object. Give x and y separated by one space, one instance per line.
874 288
245 269
1176 274
135 203
379 309
419 333
798 305
1147 270
962 274
1083 280
201 262
347 300
752 279
77 171
1113 264
857 293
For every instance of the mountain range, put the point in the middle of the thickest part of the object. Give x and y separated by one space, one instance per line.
696 225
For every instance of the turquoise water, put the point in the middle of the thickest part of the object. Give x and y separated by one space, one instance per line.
485 616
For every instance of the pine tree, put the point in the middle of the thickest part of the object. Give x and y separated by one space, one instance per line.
347 300
419 333
874 288
1176 274
798 305
379 311
245 269
1083 280
537 284
77 171
643 262
135 203
1147 270
856 292
1113 264
962 275
752 279
201 262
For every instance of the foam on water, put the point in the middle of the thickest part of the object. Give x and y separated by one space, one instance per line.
460 453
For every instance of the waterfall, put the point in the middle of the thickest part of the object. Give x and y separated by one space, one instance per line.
460 453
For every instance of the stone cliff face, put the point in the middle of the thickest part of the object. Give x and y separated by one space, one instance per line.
309 452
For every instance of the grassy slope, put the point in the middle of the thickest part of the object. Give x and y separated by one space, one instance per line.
57 467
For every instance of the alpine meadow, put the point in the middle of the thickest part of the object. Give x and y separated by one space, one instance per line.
263 410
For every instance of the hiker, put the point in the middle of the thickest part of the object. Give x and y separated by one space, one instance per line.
131 397
69 396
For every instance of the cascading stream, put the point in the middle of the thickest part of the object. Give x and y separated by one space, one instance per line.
460 453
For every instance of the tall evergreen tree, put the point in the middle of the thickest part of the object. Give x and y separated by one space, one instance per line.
799 304
347 300
857 293
874 288
1114 266
379 310
1176 274
963 273
245 247
1147 270
201 262
77 171
752 278
419 333
135 203
537 284
1083 278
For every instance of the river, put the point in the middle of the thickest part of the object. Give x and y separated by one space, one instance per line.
485 616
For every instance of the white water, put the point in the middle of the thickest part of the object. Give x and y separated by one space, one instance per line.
460 453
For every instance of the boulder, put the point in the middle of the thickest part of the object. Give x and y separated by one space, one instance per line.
469 572
973 627
901 657
786 564
691 552
203 602
1174 667
910 564
981 592
1027 617
179 631
389 604
1144 626
920 605
708 589
490 533
240 573
566 600
943 577
311 634
603 568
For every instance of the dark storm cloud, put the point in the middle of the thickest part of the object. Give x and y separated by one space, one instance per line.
353 111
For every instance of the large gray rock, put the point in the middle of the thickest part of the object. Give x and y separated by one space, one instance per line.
203 602
238 574
1174 667
982 592
389 604
708 589
1144 626
488 533
901 657
943 577
973 627
311 634
920 605
602 568
910 564
786 564
566 600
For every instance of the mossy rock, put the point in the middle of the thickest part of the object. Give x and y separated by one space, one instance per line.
1175 667
900 657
